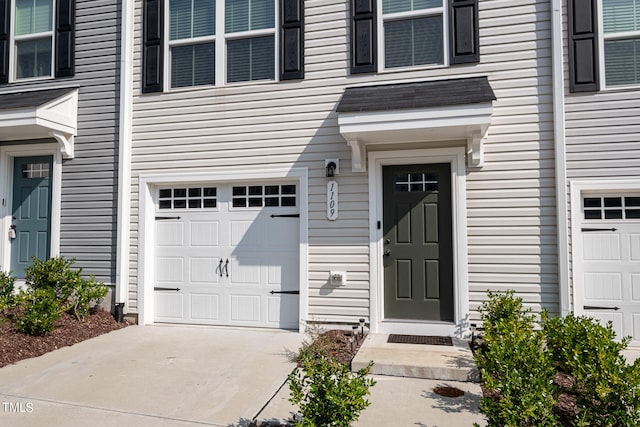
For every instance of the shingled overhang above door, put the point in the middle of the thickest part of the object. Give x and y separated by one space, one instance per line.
51 113
442 110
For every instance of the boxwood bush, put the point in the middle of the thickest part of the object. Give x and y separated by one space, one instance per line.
520 360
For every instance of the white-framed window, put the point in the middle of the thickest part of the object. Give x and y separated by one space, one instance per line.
620 43
413 33
32 32
214 42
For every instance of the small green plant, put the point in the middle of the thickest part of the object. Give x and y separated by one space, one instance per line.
328 393
86 294
39 310
516 371
607 389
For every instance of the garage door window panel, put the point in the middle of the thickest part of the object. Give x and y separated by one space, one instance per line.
611 208
187 198
257 196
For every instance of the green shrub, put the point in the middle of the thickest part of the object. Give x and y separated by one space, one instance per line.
87 294
516 371
7 290
39 310
328 393
74 293
607 389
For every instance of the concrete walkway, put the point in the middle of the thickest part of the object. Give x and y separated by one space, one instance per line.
195 376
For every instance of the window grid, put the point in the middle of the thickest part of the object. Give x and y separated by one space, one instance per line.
32 24
406 50
257 196
416 182
610 207
227 46
35 170
187 198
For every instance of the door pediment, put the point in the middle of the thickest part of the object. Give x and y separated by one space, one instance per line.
51 113
447 110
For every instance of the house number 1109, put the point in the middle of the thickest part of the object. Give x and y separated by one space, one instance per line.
332 200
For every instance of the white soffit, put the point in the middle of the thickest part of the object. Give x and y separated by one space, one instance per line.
49 113
417 112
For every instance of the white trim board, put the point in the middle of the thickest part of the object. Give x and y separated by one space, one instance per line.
456 157
146 240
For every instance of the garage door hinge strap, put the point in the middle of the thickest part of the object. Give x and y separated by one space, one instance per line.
599 229
167 217
167 289
285 292
286 216
595 307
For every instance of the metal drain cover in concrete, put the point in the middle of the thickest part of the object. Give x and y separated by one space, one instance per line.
419 339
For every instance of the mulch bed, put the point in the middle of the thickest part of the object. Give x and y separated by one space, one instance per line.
15 346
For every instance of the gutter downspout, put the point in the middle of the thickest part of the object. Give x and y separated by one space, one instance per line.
124 152
562 205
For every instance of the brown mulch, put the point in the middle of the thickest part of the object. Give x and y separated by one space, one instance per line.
335 345
15 346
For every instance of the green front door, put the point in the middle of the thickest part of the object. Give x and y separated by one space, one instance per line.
31 210
418 246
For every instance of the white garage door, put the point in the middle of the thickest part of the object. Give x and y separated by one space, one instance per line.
611 262
227 255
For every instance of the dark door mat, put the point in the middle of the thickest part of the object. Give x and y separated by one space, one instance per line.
419 339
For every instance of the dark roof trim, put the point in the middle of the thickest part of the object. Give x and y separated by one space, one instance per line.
402 96
31 99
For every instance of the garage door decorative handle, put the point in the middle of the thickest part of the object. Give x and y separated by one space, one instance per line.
285 292
166 289
595 307
599 229
226 268
285 216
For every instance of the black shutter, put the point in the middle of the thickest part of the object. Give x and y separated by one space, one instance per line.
463 31
583 46
291 39
153 49
4 40
65 38
363 36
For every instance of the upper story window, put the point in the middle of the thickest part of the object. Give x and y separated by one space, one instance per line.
37 39
217 41
621 41
413 32
33 38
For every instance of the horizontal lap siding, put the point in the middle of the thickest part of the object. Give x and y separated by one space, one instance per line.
89 189
511 201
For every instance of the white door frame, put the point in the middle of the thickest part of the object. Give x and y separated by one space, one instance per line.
148 184
455 156
578 188
7 154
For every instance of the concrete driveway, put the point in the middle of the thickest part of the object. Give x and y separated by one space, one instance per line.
150 376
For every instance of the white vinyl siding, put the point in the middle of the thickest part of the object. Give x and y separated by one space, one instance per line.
511 200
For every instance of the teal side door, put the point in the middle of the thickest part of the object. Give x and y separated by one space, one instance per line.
418 242
31 210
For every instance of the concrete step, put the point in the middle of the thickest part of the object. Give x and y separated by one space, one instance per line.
435 362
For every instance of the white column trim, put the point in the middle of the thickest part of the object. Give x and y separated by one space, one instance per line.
124 155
